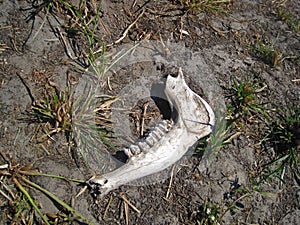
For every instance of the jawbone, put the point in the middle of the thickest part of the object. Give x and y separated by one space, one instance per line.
193 119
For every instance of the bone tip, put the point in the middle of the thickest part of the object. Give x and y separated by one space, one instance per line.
96 185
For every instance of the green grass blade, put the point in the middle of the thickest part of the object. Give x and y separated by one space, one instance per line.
55 198
32 202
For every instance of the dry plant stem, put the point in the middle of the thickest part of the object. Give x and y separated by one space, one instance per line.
129 203
4 166
65 44
56 199
128 28
22 189
107 206
5 196
81 191
126 212
143 118
233 203
193 119
104 27
170 183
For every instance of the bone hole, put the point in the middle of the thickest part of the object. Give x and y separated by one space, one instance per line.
174 75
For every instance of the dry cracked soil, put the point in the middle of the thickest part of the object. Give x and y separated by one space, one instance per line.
249 49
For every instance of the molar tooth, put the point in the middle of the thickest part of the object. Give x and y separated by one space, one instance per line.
132 150
170 124
150 141
163 126
143 145
158 132
128 152
153 137
135 149
156 135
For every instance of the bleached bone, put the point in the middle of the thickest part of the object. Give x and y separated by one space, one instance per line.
193 119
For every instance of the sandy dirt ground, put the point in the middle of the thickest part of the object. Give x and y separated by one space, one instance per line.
241 56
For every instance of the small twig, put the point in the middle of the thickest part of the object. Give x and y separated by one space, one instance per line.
108 84
107 206
261 89
4 166
170 183
5 196
4 157
137 123
13 41
65 43
129 203
40 28
220 32
233 203
5 27
166 51
45 149
8 190
233 136
129 27
104 27
16 137
133 4
143 118
82 190
126 209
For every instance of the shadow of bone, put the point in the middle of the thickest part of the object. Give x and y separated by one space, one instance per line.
160 99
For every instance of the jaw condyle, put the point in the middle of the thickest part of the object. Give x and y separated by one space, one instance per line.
192 118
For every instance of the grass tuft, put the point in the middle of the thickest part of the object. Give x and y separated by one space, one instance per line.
244 101
197 6
266 51
55 108
23 205
285 137
291 19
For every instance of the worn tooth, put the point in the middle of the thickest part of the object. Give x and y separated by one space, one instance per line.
169 124
154 138
156 135
162 127
158 132
135 149
132 150
150 141
128 152
143 145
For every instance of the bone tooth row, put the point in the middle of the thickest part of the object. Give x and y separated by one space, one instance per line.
156 134
153 137
161 128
